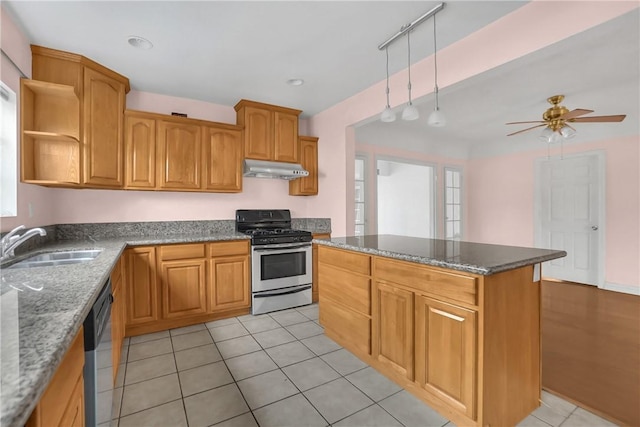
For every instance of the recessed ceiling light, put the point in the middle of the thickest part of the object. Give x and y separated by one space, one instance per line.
295 82
140 42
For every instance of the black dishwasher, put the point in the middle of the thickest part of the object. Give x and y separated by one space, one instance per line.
98 369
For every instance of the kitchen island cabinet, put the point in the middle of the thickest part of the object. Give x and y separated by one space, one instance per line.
455 323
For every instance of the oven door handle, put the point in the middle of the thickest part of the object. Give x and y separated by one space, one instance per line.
276 294
276 247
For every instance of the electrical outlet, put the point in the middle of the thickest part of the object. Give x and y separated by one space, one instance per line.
30 210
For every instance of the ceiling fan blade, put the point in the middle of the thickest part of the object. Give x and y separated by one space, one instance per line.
575 113
523 123
602 119
524 130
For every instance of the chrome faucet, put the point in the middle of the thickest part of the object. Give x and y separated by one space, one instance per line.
11 241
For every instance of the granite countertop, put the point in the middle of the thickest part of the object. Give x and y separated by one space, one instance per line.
477 258
43 308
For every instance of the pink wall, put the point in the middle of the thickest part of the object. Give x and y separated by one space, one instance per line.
502 210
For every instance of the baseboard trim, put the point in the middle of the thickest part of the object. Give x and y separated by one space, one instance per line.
626 289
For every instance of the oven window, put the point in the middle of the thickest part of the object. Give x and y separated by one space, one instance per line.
283 265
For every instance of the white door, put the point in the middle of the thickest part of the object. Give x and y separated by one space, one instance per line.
571 216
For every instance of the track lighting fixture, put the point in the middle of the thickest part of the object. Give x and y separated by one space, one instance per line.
436 118
388 115
410 112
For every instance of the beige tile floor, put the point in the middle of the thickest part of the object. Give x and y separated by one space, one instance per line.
274 370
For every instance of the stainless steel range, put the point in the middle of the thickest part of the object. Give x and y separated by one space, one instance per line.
281 260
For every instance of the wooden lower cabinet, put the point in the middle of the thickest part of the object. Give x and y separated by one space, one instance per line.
393 328
314 252
140 284
446 352
62 403
183 288
118 316
171 286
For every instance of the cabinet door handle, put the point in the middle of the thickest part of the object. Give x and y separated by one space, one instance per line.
594 227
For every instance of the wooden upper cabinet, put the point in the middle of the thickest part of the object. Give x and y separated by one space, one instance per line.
258 125
285 137
179 150
97 161
446 353
271 132
140 151
222 155
307 186
103 123
50 134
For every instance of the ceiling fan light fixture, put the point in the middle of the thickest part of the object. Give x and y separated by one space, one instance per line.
546 134
555 137
437 119
567 132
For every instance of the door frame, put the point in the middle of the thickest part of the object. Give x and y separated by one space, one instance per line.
600 156
434 187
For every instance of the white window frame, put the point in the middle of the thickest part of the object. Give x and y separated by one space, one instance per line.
447 202
8 152
364 180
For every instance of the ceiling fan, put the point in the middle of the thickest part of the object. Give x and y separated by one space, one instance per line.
557 119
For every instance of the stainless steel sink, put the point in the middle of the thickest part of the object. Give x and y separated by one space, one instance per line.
58 258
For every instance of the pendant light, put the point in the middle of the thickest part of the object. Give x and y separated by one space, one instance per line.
436 118
410 112
388 115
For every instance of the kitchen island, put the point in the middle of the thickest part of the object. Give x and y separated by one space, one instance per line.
455 323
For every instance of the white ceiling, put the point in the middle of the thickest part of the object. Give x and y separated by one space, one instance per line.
598 69
223 51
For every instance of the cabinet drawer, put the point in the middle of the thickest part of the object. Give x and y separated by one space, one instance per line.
174 252
235 247
350 289
449 285
353 328
351 261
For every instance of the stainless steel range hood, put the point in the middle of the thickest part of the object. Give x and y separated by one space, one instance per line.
264 169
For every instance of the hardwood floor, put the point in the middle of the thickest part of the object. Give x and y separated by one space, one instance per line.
591 348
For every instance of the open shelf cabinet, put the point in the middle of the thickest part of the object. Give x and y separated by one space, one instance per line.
50 134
